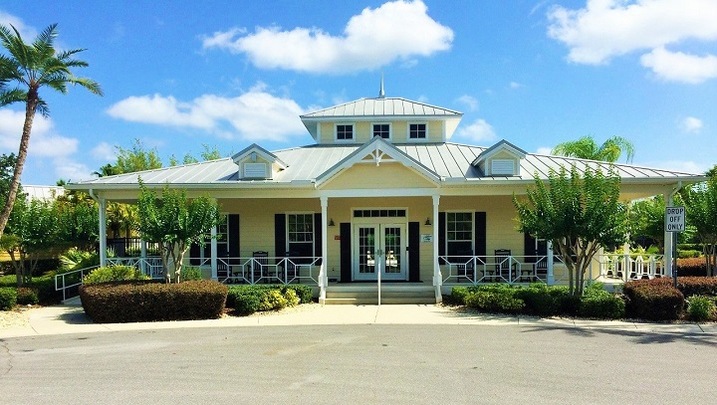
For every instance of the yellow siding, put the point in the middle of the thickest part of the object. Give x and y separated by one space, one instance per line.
435 131
399 131
370 176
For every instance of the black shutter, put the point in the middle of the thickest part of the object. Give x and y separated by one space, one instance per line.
529 244
318 233
345 232
233 235
194 259
441 234
414 245
279 235
480 234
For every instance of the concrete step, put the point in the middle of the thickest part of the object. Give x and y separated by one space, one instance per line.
390 294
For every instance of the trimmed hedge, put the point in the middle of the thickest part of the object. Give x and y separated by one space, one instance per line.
44 285
655 300
690 286
691 267
110 274
8 298
138 301
247 299
600 304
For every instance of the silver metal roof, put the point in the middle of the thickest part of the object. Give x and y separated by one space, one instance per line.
380 107
449 161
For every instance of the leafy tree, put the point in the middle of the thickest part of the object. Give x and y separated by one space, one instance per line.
587 148
579 214
136 159
174 222
647 219
33 231
77 221
701 213
33 66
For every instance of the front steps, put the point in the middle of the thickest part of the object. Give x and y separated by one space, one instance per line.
391 293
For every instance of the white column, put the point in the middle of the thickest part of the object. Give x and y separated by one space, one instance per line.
669 201
324 281
213 248
103 231
143 256
437 278
551 274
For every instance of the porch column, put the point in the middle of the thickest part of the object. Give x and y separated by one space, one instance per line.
143 256
103 231
551 274
324 279
213 248
437 277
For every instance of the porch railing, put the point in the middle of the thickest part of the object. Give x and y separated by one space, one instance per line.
240 270
502 269
631 266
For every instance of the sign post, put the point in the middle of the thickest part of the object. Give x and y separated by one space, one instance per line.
675 223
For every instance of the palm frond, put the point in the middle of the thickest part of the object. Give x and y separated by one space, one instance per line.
12 96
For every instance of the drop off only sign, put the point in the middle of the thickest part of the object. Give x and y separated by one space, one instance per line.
675 219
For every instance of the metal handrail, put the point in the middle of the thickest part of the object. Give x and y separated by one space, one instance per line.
64 276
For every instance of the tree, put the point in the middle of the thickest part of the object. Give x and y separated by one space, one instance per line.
33 231
579 214
586 148
34 66
77 221
174 222
701 213
136 159
647 220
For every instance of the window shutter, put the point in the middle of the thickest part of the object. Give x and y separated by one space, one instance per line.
233 235
502 167
480 233
414 258
279 235
255 171
441 234
345 232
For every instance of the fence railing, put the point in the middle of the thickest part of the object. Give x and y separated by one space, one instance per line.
631 266
70 282
501 269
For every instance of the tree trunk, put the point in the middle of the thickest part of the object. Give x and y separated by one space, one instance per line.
30 107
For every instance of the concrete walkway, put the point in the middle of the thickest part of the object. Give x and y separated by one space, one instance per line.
72 319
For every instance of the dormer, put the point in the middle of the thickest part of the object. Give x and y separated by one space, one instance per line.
257 163
395 119
501 159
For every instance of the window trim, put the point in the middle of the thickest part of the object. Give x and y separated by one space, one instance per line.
390 129
222 239
472 230
408 131
310 214
336 132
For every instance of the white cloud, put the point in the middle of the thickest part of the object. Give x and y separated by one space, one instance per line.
605 29
104 152
692 125
255 115
370 40
478 131
70 170
43 140
679 66
515 85
544 150
470 101
28 33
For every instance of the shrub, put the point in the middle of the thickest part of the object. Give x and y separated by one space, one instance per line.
139 301
539 300
272 299
692 267
27 296
701 308
303 291
601 304
191 273
113 274
244 302
457 297
8 298
697 286
247 299
687 254
292 299
500 299
654 299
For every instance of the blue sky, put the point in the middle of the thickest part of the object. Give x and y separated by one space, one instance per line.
183 74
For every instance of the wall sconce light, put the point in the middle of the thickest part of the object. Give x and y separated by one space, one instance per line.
331 222
428 222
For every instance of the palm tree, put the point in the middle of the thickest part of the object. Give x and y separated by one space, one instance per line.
32 66
586 148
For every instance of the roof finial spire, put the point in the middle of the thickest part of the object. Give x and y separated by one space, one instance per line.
381 91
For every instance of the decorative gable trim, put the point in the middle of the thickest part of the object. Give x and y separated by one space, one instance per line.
257 163
377 151
501 159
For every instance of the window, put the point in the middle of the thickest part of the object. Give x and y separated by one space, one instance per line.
459 233
384 213
417 131
344 132
382 130
300 235
205 246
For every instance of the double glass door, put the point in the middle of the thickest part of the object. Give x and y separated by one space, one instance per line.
379 247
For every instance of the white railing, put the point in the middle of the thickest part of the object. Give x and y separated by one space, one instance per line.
242 270
631 266
502 269
70 280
